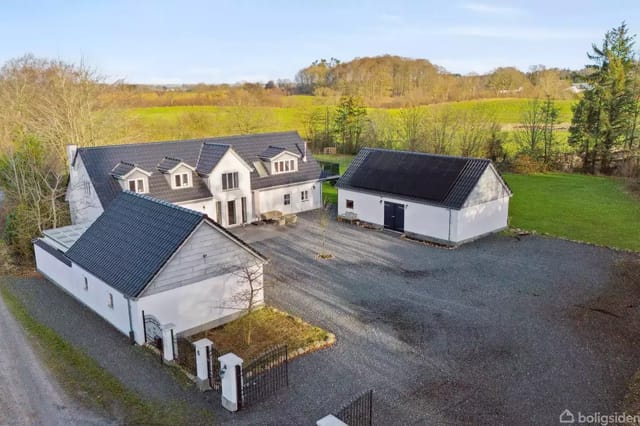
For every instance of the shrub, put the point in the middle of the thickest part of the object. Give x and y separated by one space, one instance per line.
525 164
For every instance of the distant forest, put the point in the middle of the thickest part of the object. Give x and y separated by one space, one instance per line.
382 81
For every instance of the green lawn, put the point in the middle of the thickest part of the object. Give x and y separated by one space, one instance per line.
329 191
580 207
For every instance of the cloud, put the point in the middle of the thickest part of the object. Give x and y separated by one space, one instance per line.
489 9
522 33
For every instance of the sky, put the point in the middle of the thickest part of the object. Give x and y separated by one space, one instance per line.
192 41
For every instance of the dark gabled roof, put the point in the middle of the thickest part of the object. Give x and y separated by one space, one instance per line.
99 161
53 252
168 163
437 179
271 152
135 236
210 155
122 169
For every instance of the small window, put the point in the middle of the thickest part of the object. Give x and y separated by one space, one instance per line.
230 181
292 165
286 166
182 180
304 196
219 212
287 199
110 303
87 188
136 185
86 284
349 204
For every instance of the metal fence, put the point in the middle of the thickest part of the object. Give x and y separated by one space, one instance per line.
265 375
358 412
213 368
185 354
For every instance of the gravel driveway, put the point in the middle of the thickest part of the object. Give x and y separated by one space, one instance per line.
28 393
501 331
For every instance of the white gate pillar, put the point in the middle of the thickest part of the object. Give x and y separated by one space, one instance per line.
167 341
231 385
202 367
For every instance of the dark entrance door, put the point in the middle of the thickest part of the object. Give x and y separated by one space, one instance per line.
394 216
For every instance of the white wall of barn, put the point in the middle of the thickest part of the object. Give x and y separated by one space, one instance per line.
202 304
480 219
95 296
421 219
267 200
207 207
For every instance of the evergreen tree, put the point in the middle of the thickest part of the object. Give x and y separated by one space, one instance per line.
604 118
349 123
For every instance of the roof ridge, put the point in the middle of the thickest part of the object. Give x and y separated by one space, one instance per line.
163 203
427 154
204 140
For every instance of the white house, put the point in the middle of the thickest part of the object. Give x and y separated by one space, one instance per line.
448 200
144 255
234 180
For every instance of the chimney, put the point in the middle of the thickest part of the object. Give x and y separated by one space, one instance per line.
71 153
304 153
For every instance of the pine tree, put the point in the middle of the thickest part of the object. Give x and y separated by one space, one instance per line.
604 117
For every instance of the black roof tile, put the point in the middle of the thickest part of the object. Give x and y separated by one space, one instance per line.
437 179
135 236
99 161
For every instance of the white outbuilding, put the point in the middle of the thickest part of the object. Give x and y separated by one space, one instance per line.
444 199
145 265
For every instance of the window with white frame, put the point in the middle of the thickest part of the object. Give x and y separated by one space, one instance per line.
230 181
284 166
136 185
304 196
110 302
86 186
86 284
181 180
287 199
349 204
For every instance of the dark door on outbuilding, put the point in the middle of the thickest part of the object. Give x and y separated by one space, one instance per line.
394 216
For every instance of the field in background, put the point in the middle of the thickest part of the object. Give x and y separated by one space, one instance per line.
592 209
176 122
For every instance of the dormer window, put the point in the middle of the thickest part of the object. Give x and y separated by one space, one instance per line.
182 180
284 166
136 185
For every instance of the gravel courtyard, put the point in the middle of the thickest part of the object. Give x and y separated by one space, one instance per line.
502 331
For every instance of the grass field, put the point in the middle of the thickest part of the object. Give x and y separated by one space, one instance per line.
580 207
163 123
584 208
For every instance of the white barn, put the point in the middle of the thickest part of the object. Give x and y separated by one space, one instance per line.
447 200
143 255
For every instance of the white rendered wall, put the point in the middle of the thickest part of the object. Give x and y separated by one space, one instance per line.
207 207
52 268
230 163
195 304
83 201
273 199
96 297
421 219
480 219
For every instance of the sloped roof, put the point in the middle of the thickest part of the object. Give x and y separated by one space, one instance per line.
168 163
122 169
271 152
210 155
135 236
99 162
437 179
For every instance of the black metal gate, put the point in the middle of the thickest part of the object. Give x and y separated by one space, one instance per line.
213 368
358 412
152 330
185 354
263 376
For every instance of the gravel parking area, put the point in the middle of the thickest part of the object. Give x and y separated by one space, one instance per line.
502 331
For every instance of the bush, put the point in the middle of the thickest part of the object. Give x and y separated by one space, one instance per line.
525 164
